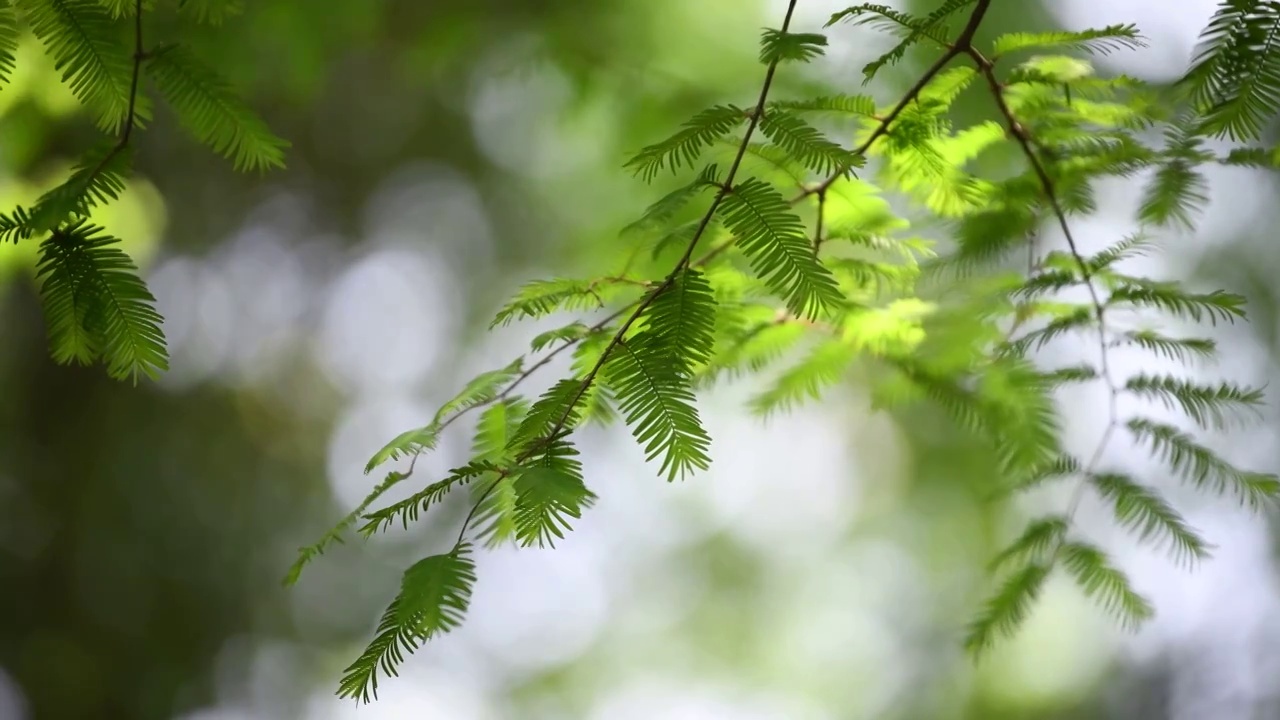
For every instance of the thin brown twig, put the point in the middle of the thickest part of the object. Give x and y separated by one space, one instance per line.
817 231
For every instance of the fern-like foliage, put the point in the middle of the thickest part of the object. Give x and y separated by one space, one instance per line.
1201 466
433 598
801 141
915 29
1143 511
1234 79
651 374
335 535
1007 609
1094 572
96 306
212 112
544 297
81 38
1102 41
777 46
685 147
9 34
96 180
773 238
546 497
782 260
1211 406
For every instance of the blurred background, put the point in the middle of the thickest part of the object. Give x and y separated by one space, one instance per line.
443 153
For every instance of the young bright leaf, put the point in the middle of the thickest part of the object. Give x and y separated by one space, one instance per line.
494 493
1102 41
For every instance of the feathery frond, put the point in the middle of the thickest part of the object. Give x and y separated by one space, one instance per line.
1100 580
96 180
209 109
16 226
494 493
335 534
1036 543
774 240
557 409
569 333
1101 41
1178 190
778 46
483 388
684 148
433 598
96 306
1182 350
1202 467
1169 297
1006 610
408 510
81 37
545 499
915 29
804 143
543 297
1211 406
407 444
1142 510
807 379
8 40
1130 247
1234 79
858 105
660 214
651 375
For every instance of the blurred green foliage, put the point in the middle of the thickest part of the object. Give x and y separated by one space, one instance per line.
143 531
